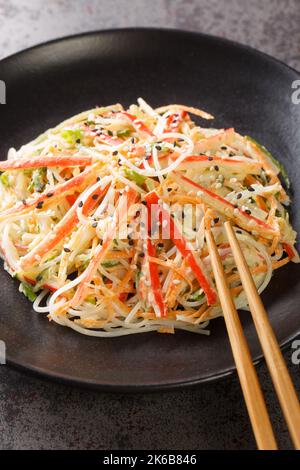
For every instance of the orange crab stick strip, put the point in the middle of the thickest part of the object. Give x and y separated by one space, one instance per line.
47 161
184 248
136 122
74 184
242 216
126 200
203 161
61 230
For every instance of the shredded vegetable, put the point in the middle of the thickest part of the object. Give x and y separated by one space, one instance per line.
102 218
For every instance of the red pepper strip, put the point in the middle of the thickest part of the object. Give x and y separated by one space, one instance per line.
40 162
126 200
185 250
61 230
136 122
62 190
226 208
154 279
174 121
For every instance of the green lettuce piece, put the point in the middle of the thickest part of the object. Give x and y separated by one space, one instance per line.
28 291
134 176
109 264
72 136
4 179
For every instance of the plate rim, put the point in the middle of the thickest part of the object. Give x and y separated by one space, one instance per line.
155 387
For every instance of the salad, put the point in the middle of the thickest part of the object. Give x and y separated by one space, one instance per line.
102 218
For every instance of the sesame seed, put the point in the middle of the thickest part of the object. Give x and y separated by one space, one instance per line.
94 225
80 204
216 167
251 189
239 195
49 194
218 185
40 205
210 159
110 133
95 196
66 249
248 211
131 242
216 220
115 152
176 282
98 179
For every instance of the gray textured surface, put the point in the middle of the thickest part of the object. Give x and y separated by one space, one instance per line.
35 414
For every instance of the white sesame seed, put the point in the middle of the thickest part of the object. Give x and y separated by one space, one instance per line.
233 180
147 283
218 185
164 223
236 211
199 193
176 282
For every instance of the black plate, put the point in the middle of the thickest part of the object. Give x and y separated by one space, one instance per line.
243 88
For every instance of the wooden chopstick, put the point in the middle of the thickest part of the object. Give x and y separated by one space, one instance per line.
254 399
279 373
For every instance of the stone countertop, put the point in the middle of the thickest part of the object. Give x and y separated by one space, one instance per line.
37 414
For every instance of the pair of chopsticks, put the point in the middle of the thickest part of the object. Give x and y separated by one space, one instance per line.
283 385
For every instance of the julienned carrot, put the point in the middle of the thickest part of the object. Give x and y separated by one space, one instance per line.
242 216
76 183
184 248
61 230
126 200
47 161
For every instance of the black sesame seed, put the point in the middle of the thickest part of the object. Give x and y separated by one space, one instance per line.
80 204
133 140
169 189
160 245
40 205
248 211
24 202
216 220
142 255
39 278
67 250
216 167
94 225
110 133
223 147
210 159
251 189
49 194
115 152
95 196
239 195
144 202
98 179
78 141
235 206
131 242
239 231
158 147
231 154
